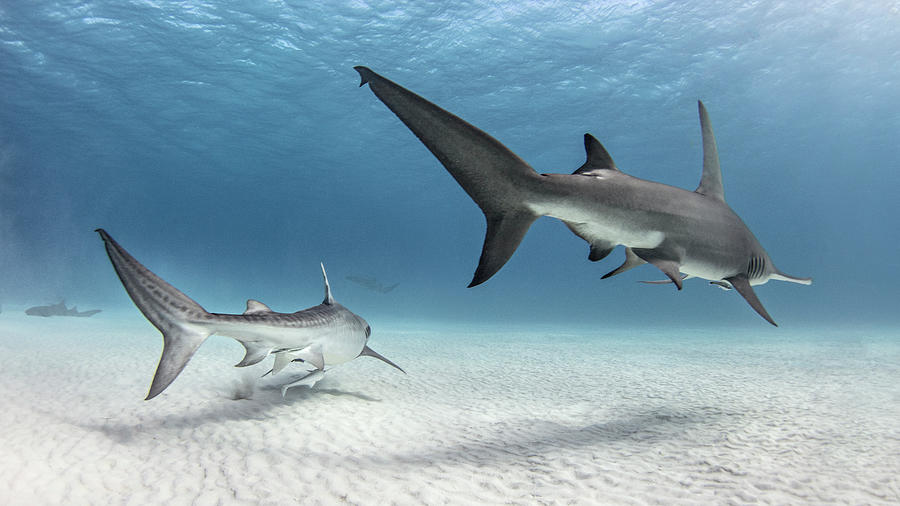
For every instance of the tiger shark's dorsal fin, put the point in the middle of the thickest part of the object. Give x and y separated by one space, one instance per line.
257 307
328 298
597 157
711 180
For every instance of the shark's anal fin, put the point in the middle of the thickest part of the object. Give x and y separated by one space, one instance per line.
599 251
631 261
503 236
662 261
742 285
369 352
600 248
254 355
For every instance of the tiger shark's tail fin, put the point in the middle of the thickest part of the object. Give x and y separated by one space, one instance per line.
496 179
175 315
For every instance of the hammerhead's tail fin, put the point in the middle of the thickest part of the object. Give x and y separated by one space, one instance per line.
496 179
175 315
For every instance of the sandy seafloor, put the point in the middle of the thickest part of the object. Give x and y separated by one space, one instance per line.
541 416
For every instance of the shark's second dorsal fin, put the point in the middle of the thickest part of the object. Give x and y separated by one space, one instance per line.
711 180
597 157
328 298
257 307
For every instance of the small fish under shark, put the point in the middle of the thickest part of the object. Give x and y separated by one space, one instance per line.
324 335
684 234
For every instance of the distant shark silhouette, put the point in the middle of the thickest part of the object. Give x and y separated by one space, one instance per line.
684 234
59 310
327 334
372 284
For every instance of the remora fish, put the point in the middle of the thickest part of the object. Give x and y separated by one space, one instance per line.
684 234
320 336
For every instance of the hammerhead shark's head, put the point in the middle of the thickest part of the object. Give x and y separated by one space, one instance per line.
324 335
684 234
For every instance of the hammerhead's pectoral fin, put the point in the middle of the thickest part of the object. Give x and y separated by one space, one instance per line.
631 261
742 285
663 262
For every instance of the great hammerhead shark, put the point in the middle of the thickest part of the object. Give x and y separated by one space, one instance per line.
684 234
326 334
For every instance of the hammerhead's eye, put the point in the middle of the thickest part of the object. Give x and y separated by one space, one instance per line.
368 331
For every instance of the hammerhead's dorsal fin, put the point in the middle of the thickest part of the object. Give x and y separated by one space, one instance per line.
257 307
711 180
329 300
597 157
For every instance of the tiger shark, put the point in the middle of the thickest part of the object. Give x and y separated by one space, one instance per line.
320 336
684 234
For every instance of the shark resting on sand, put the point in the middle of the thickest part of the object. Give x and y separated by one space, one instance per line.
684 234
324 335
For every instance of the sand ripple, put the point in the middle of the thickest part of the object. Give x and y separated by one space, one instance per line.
620 417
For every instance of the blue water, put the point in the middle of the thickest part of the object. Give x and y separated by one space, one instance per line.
227 146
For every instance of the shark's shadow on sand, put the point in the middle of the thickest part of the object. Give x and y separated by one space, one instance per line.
640 431
507 441
223 410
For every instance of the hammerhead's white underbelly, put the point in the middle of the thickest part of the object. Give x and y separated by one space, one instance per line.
615 227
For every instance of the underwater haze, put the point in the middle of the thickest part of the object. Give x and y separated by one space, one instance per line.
228 146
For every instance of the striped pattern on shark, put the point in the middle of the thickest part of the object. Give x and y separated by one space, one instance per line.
320 336
684 234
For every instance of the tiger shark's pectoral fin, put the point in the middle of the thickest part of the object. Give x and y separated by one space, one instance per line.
369 352
742 285
631 261
312 355
281 361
